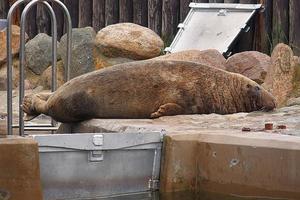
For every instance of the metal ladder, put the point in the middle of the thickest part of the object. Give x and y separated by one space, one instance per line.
33 127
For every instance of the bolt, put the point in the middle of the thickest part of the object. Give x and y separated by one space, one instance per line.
269 126
281 127
246 129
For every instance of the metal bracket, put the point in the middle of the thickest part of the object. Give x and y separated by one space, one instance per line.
96 156
153 184
98 140
246 29
181 25
222 12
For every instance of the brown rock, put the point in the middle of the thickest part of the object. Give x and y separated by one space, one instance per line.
210 57
15 42
3 76
251 64
46 77
296 90
126 41
31 79
281 75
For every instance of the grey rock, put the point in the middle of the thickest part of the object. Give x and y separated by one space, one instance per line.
209 124
82 51
38 53
293 101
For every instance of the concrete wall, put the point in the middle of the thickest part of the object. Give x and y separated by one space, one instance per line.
19 169
256 164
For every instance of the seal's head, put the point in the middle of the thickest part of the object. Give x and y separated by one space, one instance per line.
259 98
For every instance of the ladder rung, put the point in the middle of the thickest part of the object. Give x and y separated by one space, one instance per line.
40 128
33 125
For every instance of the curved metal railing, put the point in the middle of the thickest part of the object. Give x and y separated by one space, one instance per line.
27 8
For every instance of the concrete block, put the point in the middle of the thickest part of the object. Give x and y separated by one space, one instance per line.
250 165
19 168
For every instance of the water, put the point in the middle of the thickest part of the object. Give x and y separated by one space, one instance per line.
185 196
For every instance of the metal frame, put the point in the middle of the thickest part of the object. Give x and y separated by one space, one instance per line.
21 125
232 7
93 151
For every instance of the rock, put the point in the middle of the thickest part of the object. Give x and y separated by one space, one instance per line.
125 42
15 42
251 64
293 102
46 77
210 57
82 51
296 90
289 116
281 75
102 61
39 53
30 82
3 75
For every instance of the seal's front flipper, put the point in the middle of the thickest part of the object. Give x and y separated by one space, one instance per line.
28 117
167 110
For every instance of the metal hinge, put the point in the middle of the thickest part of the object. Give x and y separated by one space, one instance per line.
153 184
95 156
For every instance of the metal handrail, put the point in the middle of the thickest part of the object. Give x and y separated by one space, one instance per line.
22 58
22 55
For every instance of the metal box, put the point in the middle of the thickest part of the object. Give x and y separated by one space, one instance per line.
212 26
89 166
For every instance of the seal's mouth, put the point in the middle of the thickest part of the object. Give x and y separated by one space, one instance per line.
269 107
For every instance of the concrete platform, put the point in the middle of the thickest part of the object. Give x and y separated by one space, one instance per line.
212 153
19 169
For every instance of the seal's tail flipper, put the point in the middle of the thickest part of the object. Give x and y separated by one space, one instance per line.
28 117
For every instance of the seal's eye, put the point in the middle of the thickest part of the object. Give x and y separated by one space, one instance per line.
257 88
248 85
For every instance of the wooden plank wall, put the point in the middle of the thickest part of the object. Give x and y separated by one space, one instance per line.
278 23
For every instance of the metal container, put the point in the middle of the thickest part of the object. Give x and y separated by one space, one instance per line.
3 24
212 26
89 166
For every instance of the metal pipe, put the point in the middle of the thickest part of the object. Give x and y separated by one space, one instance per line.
22 56
69 37
9 65
54 50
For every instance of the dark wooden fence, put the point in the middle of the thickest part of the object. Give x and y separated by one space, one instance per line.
280 22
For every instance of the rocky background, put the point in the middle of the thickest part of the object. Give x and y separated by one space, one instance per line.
127 42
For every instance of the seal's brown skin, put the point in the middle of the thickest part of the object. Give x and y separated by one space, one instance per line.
150 89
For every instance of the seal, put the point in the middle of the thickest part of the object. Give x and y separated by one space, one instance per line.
150 89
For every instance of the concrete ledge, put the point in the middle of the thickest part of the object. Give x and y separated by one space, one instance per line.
19 168
253 164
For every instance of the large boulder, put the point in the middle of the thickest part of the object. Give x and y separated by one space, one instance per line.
281 76
125 42
15 42
251 64
210 57
82 51
31 79
46 78
39 53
